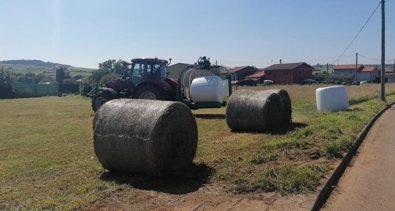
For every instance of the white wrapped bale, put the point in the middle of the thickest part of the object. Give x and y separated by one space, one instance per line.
208 89
254 111
332 98
144 136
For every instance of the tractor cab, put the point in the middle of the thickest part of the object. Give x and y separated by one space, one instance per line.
147 69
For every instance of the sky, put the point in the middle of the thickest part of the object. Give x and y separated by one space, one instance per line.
83 33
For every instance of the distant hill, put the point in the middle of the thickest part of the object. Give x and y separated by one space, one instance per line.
38 66
37 63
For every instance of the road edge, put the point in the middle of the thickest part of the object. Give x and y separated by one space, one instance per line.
335 177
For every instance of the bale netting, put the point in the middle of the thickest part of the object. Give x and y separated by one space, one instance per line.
254 111
287 104
144 136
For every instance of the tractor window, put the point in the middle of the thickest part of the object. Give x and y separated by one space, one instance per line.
144 71
137 74
160 71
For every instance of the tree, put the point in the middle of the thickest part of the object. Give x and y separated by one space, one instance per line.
6 84
120 67
60 76
112 65
107 65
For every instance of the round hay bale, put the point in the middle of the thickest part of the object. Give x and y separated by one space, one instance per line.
144 136
254 111
287 104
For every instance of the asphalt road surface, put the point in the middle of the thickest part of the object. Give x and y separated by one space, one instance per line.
369 182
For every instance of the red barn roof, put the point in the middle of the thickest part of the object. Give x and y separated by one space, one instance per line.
236 69
348 67
258 74
389 70
286 66
369 69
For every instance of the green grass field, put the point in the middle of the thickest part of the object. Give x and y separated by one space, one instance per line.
47 159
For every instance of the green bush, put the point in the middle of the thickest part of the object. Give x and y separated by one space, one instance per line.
86 86
6 84
107 77
70 86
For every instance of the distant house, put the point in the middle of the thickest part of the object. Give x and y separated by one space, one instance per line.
288 73
176 69
357 73
258 76
241 72
350 70
368 73
389 74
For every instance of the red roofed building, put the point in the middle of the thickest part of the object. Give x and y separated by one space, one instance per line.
357 73
258 76
241 72
288 73
368 73
348 70
390 74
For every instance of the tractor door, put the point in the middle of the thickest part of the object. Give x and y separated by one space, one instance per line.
137 73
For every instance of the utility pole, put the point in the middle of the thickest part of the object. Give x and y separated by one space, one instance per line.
382 50
356 68
327 69
327 72
393 70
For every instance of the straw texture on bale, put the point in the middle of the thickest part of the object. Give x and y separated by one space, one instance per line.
254 111
144 136
287 104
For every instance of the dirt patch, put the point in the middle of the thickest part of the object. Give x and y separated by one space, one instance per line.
209 197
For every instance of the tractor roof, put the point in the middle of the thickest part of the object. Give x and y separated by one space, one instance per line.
150 60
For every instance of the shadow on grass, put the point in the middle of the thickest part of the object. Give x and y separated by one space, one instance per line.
288 128
278 131
210 116
187 180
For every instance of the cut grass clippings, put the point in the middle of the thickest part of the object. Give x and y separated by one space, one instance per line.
47 159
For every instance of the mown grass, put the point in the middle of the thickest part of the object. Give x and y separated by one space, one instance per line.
47 159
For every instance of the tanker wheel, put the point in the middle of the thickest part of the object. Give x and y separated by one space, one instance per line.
150 92
100 98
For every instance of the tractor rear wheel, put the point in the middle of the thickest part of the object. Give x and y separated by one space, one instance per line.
150 92
100 98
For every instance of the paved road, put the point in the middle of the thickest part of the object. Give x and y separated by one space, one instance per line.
369 182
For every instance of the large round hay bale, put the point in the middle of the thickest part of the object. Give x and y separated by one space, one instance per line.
287 104
144 136
254 111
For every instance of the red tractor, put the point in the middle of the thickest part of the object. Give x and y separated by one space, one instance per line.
147 79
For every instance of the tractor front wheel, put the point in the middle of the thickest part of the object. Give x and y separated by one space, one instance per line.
150 92
100 98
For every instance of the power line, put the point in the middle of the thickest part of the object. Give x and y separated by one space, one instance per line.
356 36
371 58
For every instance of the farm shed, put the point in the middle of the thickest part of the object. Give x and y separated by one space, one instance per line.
288 73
